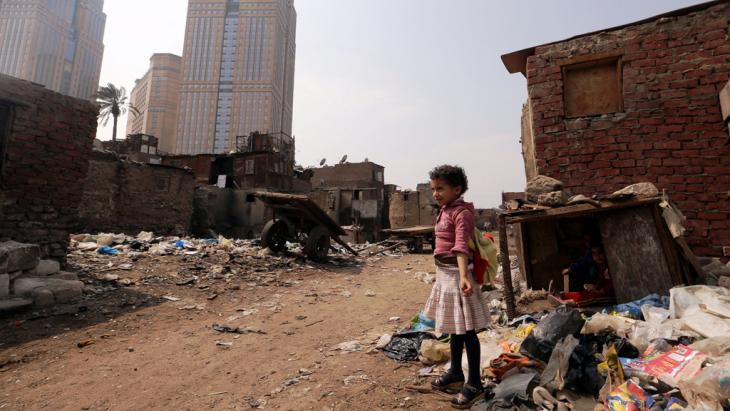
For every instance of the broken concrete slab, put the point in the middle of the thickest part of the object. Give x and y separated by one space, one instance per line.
553 199
62 290
541 185
19 256
639 190
4 286
46 268
42 297
14 304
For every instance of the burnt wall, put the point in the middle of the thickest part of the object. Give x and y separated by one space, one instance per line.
668 129
45 144
121 196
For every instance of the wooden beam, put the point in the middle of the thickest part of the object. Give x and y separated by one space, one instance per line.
577 210
508 291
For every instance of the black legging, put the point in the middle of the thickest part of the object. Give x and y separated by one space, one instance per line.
473 354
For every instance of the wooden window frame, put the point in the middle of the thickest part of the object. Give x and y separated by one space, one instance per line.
583 62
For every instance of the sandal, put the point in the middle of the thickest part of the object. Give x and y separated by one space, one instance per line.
467 397
448 382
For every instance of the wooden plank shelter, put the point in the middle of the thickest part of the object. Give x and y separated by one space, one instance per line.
642 255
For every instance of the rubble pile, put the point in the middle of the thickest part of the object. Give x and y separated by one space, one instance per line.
657 353
27 280
200 260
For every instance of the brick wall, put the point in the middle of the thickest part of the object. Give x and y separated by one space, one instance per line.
349 175
45 158
121 196
670 131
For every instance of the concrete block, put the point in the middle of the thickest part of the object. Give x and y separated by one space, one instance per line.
62 290
45 268
4 286
19 256
14 304
42 297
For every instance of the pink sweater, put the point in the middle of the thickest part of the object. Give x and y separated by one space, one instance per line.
454 228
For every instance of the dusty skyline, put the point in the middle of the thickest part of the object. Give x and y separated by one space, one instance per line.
406 84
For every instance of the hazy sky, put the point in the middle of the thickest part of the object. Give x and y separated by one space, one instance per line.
408 84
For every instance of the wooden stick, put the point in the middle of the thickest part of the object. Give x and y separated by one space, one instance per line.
509 293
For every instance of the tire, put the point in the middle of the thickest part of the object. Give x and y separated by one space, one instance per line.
417 246
274 235
318 243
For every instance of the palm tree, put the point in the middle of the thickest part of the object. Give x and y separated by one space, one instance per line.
113 102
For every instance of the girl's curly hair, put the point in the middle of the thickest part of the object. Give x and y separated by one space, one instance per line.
454 175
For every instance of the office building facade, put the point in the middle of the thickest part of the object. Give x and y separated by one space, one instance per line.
56 43
238 73
156 96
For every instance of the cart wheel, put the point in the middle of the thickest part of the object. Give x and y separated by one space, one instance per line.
274 235
417 246
318 243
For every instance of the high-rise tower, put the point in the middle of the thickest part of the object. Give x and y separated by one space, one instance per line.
156 95
57 43
238 73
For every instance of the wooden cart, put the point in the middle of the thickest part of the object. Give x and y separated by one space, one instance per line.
298 219
415 237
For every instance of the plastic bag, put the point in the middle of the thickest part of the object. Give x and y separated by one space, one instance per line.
654 315
605 322
714 347
419 323
552 328
643 333
434 352
583 374
633 309
629 397
106 250
518 385
405 347
710 388
553 378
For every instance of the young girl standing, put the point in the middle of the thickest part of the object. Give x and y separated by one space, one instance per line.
456 302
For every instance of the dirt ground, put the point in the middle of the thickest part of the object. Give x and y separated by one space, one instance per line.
147 352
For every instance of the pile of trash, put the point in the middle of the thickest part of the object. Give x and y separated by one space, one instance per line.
200 259
657 353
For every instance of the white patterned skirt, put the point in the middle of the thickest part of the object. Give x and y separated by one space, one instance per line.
453 312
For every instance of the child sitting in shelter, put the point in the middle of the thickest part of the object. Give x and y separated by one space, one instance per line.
589 281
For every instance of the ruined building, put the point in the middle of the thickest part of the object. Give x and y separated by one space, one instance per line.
141 148
156 95
352 194
238 73
408 208
45 145
122 196
637 103
58 44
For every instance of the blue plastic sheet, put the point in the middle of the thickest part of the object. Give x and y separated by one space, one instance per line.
633 309
106 250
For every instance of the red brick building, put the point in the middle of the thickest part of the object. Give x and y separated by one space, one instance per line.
637 103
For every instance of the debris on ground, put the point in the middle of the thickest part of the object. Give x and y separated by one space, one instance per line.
236 330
